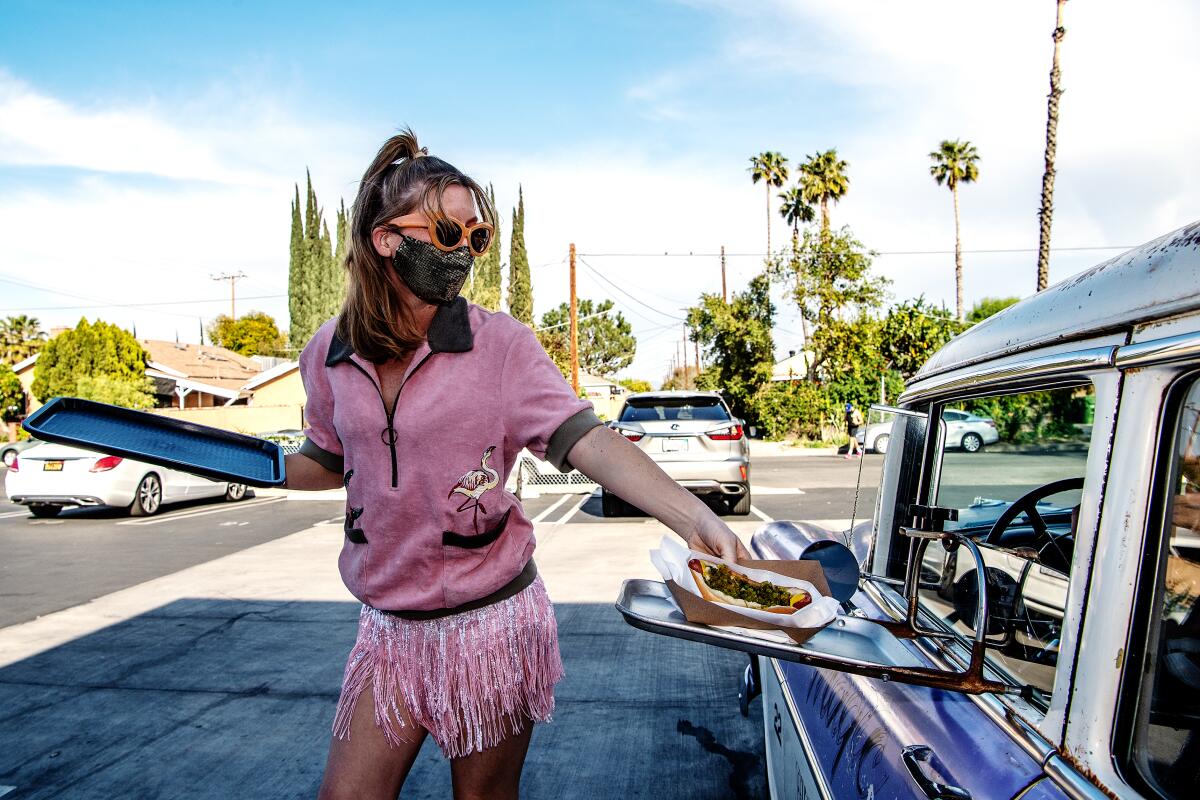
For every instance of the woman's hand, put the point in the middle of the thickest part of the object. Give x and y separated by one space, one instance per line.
718 540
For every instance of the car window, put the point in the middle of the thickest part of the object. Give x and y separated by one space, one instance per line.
1015 478
953 416
1166 738
708 409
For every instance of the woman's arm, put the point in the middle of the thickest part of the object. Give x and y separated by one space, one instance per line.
305 474
620 466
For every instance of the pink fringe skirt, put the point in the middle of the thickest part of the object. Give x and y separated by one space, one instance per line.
470 679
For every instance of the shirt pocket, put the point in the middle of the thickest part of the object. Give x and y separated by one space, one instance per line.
466 568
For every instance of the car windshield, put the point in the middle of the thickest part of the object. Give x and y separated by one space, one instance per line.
654 409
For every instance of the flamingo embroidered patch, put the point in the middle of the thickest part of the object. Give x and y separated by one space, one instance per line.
474 484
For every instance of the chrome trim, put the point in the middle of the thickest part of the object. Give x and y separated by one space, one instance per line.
801 733
1069 779
1157 351
1077 362
1021 732
906 412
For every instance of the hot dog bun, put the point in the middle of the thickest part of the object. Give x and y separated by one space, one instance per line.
799 597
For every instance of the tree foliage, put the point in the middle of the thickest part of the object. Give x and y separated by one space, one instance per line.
823 179
316 280
829 278
12 395
989 306
635 384
770 168
484 285
520 286
606 341
737 342
912 332
20 337
253 334
71 363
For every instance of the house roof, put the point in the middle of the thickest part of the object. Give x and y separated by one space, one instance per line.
268 375
1159 279
207 364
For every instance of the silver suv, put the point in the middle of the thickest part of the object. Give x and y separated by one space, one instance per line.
695 439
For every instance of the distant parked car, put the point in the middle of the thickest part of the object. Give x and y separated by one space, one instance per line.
963 429
49 477
695 439
9 450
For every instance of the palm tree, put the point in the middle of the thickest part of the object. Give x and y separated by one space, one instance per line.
794 211
823 178
955 162
770 167
20 337
1046 214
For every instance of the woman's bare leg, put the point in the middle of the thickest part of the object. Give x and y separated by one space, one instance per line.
495 773
365 766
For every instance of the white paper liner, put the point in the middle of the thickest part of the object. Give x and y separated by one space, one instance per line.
671 560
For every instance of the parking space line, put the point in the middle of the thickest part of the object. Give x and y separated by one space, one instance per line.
190 514
551 509
15 514
754 510
574 508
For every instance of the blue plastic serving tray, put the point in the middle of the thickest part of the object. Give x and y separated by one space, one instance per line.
199 449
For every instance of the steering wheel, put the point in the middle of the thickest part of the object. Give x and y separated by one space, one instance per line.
1027 504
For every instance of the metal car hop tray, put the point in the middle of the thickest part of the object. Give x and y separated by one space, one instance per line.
199 449
647 604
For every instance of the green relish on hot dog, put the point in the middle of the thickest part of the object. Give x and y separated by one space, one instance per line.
720 584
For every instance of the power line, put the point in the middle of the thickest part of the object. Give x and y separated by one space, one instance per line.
874 252
597 274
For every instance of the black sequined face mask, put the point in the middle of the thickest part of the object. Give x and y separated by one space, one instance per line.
434 275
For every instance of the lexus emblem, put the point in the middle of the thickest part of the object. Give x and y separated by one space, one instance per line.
675 426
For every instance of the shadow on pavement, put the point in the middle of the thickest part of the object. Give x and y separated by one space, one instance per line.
210 698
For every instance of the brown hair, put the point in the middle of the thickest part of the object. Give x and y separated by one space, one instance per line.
401 179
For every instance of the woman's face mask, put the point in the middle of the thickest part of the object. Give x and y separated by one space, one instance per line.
434 275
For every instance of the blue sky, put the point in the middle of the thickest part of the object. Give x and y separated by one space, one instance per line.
144 146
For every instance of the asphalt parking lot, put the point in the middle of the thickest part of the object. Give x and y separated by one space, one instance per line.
198 653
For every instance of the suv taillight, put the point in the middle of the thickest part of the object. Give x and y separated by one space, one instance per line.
727 434
105 464
16 465
630 435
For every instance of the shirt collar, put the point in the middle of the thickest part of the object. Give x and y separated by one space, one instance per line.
449 332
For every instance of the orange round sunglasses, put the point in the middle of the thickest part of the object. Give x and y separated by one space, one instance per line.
450 233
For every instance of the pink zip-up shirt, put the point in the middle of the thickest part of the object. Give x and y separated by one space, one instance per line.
428 522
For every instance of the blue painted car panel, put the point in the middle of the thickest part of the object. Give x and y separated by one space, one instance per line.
857 727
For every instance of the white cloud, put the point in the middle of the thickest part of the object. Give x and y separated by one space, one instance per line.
909 74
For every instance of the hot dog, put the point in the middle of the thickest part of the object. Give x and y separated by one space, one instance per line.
720 584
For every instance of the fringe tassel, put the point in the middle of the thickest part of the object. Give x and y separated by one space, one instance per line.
471 679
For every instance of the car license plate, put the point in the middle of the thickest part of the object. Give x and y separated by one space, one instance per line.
675 444
52 466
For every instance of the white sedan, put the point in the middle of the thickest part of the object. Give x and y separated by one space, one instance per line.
48 477
963 429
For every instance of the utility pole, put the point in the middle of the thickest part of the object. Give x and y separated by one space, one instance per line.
696 350
233 279
724 296
574 329
686 373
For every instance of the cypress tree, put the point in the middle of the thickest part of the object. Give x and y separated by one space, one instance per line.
338 273
520 286
296 294
486 283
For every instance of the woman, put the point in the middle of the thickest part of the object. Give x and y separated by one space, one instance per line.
418 404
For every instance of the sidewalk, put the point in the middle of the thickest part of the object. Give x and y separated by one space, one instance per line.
760 448
220 681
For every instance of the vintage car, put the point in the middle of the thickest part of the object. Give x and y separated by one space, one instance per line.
1026 625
